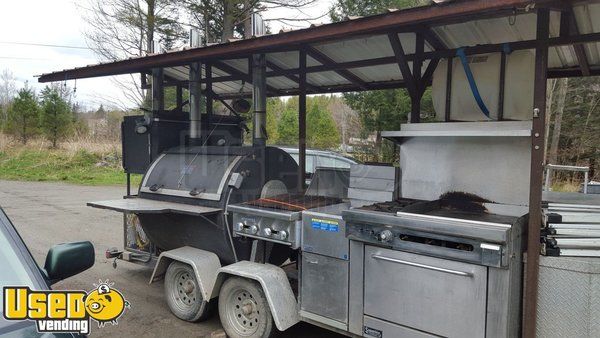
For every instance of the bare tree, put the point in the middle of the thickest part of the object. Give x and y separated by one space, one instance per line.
560 108
8 90
127 28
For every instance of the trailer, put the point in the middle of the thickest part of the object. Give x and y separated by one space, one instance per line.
447 244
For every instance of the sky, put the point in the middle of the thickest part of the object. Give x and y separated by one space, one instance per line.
60 22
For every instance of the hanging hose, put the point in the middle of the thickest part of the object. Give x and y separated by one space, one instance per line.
465 63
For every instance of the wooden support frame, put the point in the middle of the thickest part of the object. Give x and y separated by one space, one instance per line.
302 122
568 27
292 77
326 60
536 174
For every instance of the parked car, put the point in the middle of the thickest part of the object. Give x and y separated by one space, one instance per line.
321 158
20 269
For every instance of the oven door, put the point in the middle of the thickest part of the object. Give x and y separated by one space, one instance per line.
432 295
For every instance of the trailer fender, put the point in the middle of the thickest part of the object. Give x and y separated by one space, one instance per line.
275 285
205 264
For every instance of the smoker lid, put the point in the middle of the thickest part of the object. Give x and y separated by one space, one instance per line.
193 175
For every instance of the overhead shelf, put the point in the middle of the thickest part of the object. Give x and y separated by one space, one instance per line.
461 129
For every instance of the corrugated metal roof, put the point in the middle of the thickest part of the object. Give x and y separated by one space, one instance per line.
368 60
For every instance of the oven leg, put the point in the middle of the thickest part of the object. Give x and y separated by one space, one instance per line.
258 251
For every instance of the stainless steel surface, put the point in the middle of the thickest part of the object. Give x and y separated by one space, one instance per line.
324 231
329 182
147 206
494 168
278 226
356 287
487 231
205 265
568 297
425 299
423 266
378 328
324 286
192 169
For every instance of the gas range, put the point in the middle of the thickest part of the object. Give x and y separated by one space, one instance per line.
443 228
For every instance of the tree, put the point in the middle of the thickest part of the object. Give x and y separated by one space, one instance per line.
57 119
321 131
8 89
23 116
383 109
560 107
287 128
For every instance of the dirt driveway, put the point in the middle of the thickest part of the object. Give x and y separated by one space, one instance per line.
51 213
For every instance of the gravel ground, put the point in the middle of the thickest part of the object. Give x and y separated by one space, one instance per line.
51 213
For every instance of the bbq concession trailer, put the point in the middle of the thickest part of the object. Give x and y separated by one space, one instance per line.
432 248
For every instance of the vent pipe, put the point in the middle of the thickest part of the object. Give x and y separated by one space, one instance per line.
195 88
259 100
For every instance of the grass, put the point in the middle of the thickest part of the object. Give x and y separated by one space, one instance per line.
77 162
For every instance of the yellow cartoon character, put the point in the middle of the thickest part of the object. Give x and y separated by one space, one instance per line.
105 304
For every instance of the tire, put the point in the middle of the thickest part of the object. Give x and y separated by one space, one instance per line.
183 293
244 310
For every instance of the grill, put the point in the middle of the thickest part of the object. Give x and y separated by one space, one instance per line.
295 202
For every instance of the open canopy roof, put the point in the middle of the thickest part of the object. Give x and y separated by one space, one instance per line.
369 53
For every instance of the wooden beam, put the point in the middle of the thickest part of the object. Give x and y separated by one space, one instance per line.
536 174
402 62
568 27
294 78
238 73
302 121
326 60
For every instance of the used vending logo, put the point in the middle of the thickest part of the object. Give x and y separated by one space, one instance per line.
64 311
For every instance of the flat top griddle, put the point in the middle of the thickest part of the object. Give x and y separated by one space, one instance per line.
293 202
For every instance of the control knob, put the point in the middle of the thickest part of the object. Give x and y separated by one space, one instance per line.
283 235
267 231
385 236
253 229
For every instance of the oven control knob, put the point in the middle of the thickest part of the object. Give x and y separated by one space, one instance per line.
283 235
385 236
239 226
267 231
253 229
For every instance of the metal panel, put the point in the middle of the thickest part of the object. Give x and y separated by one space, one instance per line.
275 285
380 329
205 265
356 295
324 233
324 286
428 294
146 206
494 168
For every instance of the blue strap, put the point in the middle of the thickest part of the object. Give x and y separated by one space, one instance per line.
465 63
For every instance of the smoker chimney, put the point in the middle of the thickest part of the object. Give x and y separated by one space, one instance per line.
195 89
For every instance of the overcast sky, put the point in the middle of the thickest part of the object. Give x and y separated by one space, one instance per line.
59 22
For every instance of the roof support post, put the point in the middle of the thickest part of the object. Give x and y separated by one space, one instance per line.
158 94
195 103
302 122
537 173
259 100
409 77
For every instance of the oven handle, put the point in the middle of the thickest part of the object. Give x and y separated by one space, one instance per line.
418 265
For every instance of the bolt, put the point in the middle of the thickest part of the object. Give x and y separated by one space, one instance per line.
537 134
536 112
247 309
537 147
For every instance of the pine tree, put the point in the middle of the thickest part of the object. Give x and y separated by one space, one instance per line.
56 121
23 117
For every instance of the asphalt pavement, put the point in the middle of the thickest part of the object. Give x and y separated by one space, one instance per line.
50 213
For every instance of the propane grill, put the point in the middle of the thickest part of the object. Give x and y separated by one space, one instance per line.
276 219
294 202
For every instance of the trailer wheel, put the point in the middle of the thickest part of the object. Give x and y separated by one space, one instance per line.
244 310
183 293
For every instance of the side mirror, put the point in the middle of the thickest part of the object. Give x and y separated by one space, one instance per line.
68 259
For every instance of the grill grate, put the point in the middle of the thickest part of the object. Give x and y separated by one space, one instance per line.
298 202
